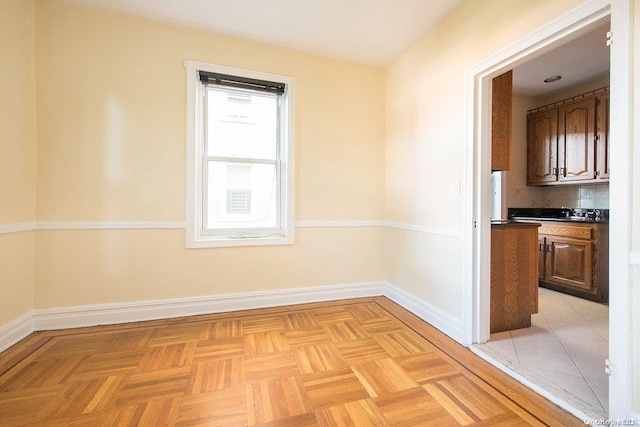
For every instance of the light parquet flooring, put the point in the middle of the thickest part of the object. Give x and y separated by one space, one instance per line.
363 362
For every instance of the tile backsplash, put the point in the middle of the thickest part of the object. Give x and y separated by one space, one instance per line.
589 196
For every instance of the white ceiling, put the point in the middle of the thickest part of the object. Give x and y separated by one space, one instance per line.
374 32
579 61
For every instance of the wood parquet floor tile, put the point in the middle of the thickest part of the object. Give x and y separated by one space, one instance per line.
362 362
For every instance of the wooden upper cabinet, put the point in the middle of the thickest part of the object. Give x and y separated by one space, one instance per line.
501 113
542 147
602 138
576 140
569 143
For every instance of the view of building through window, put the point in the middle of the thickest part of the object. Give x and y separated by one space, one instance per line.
241 149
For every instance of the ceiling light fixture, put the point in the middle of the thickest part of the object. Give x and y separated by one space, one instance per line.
552 79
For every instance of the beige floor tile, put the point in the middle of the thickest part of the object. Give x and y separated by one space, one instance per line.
591 367
601 390
563 316
574 386
563 351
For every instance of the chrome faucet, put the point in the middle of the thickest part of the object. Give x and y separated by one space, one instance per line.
568 211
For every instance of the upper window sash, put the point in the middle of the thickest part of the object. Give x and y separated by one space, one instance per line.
262 105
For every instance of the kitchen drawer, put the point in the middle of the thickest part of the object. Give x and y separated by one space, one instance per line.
577 231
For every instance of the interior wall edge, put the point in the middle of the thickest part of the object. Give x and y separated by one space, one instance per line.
446 323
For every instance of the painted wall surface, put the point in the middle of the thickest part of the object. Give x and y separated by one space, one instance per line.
16 275
138 265
111 147
518 194
426 139
17 109
17 155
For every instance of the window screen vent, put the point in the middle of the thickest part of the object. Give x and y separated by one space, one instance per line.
238 202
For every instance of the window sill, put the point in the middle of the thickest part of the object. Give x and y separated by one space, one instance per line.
226 242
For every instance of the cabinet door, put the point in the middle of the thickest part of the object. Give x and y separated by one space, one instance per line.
541 254
542 147
602 138
576 136
501 113
569 262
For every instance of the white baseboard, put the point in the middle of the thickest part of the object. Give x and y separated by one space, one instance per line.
445 322
107 314
115 313
16 330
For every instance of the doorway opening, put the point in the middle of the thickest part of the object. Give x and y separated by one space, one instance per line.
574 24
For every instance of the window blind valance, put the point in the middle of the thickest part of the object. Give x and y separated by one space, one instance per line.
241 82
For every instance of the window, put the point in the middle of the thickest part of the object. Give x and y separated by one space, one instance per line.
240 157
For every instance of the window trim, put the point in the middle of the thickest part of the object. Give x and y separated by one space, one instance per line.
195 236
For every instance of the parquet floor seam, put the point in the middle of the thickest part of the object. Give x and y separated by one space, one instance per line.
354 362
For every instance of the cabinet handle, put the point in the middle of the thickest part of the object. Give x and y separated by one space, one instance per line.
548 247
541 247
554 171
562 171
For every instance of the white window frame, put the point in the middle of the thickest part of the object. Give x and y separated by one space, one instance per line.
195 234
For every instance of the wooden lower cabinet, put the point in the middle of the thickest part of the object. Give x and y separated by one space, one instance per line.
514 285
574 259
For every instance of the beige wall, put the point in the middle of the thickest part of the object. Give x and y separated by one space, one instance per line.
518 194
426 140
17 156
111 147
17 109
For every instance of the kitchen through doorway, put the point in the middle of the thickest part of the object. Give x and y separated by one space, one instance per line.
565 348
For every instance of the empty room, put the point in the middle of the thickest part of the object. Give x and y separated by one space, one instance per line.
301 213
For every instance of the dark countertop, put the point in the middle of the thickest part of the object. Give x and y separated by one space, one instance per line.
574 215
512 223
574 221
